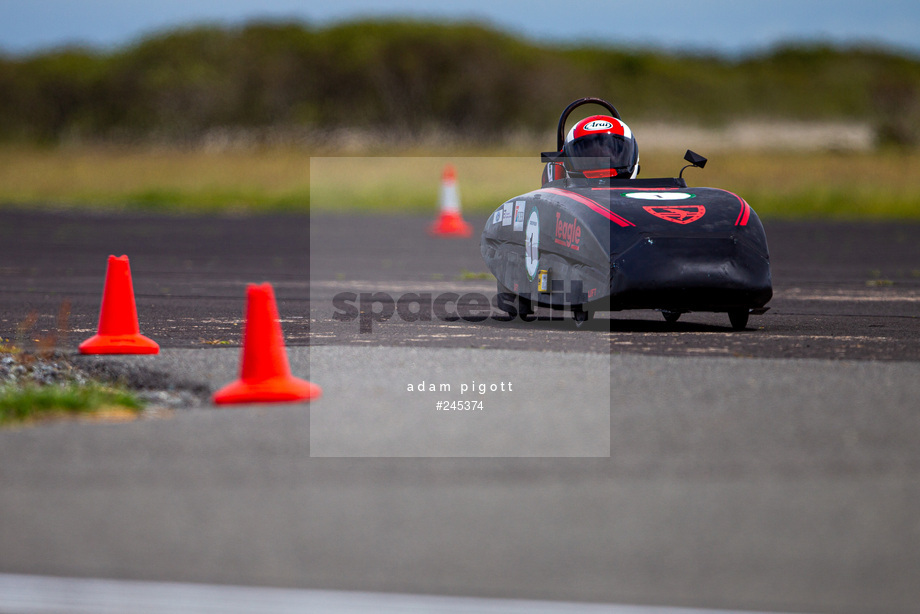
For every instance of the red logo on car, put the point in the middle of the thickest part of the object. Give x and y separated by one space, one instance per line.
679 214
567 233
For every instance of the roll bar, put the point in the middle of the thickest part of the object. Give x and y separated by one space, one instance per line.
555 156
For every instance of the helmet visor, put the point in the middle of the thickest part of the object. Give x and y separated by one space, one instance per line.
601 151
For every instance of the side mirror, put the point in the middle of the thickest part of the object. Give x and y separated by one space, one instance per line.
694 159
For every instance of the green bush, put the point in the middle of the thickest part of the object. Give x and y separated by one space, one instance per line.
408 77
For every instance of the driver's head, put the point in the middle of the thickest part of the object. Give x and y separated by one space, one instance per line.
601 146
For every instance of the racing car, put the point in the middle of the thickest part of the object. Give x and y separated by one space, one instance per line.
595 237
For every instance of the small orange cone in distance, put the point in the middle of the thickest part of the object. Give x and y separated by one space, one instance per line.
450 222
265 375
118 331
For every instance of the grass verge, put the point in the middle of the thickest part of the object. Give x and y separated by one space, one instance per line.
835 185
23 403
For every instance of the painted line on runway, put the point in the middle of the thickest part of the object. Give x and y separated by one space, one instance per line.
843 295
27 594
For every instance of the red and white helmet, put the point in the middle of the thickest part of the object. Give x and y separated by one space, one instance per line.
601 146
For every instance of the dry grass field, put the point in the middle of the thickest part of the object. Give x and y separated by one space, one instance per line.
834 184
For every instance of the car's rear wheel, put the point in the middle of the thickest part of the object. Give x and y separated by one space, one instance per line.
739 318
671 316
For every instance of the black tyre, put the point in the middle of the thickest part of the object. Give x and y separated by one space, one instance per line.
580 315
739 318
524 305
671 316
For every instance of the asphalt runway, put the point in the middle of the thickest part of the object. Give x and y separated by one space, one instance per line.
635 462
842 290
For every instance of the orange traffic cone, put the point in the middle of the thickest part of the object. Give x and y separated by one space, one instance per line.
450 223
265 375
118 331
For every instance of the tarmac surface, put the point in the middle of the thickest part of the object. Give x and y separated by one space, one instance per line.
632 462
841 290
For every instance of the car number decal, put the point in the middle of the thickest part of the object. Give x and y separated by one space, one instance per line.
659 195
532 244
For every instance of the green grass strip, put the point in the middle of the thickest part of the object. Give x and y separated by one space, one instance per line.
23 403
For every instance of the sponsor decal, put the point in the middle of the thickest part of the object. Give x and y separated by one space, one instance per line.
568 233
597 125
532 244
497 216
659 195
679 214
507 212
519 215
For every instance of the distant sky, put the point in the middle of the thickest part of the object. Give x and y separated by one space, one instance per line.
724 26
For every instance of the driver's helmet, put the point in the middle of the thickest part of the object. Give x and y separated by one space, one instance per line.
601 146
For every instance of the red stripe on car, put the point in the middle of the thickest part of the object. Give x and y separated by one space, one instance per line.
591 204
